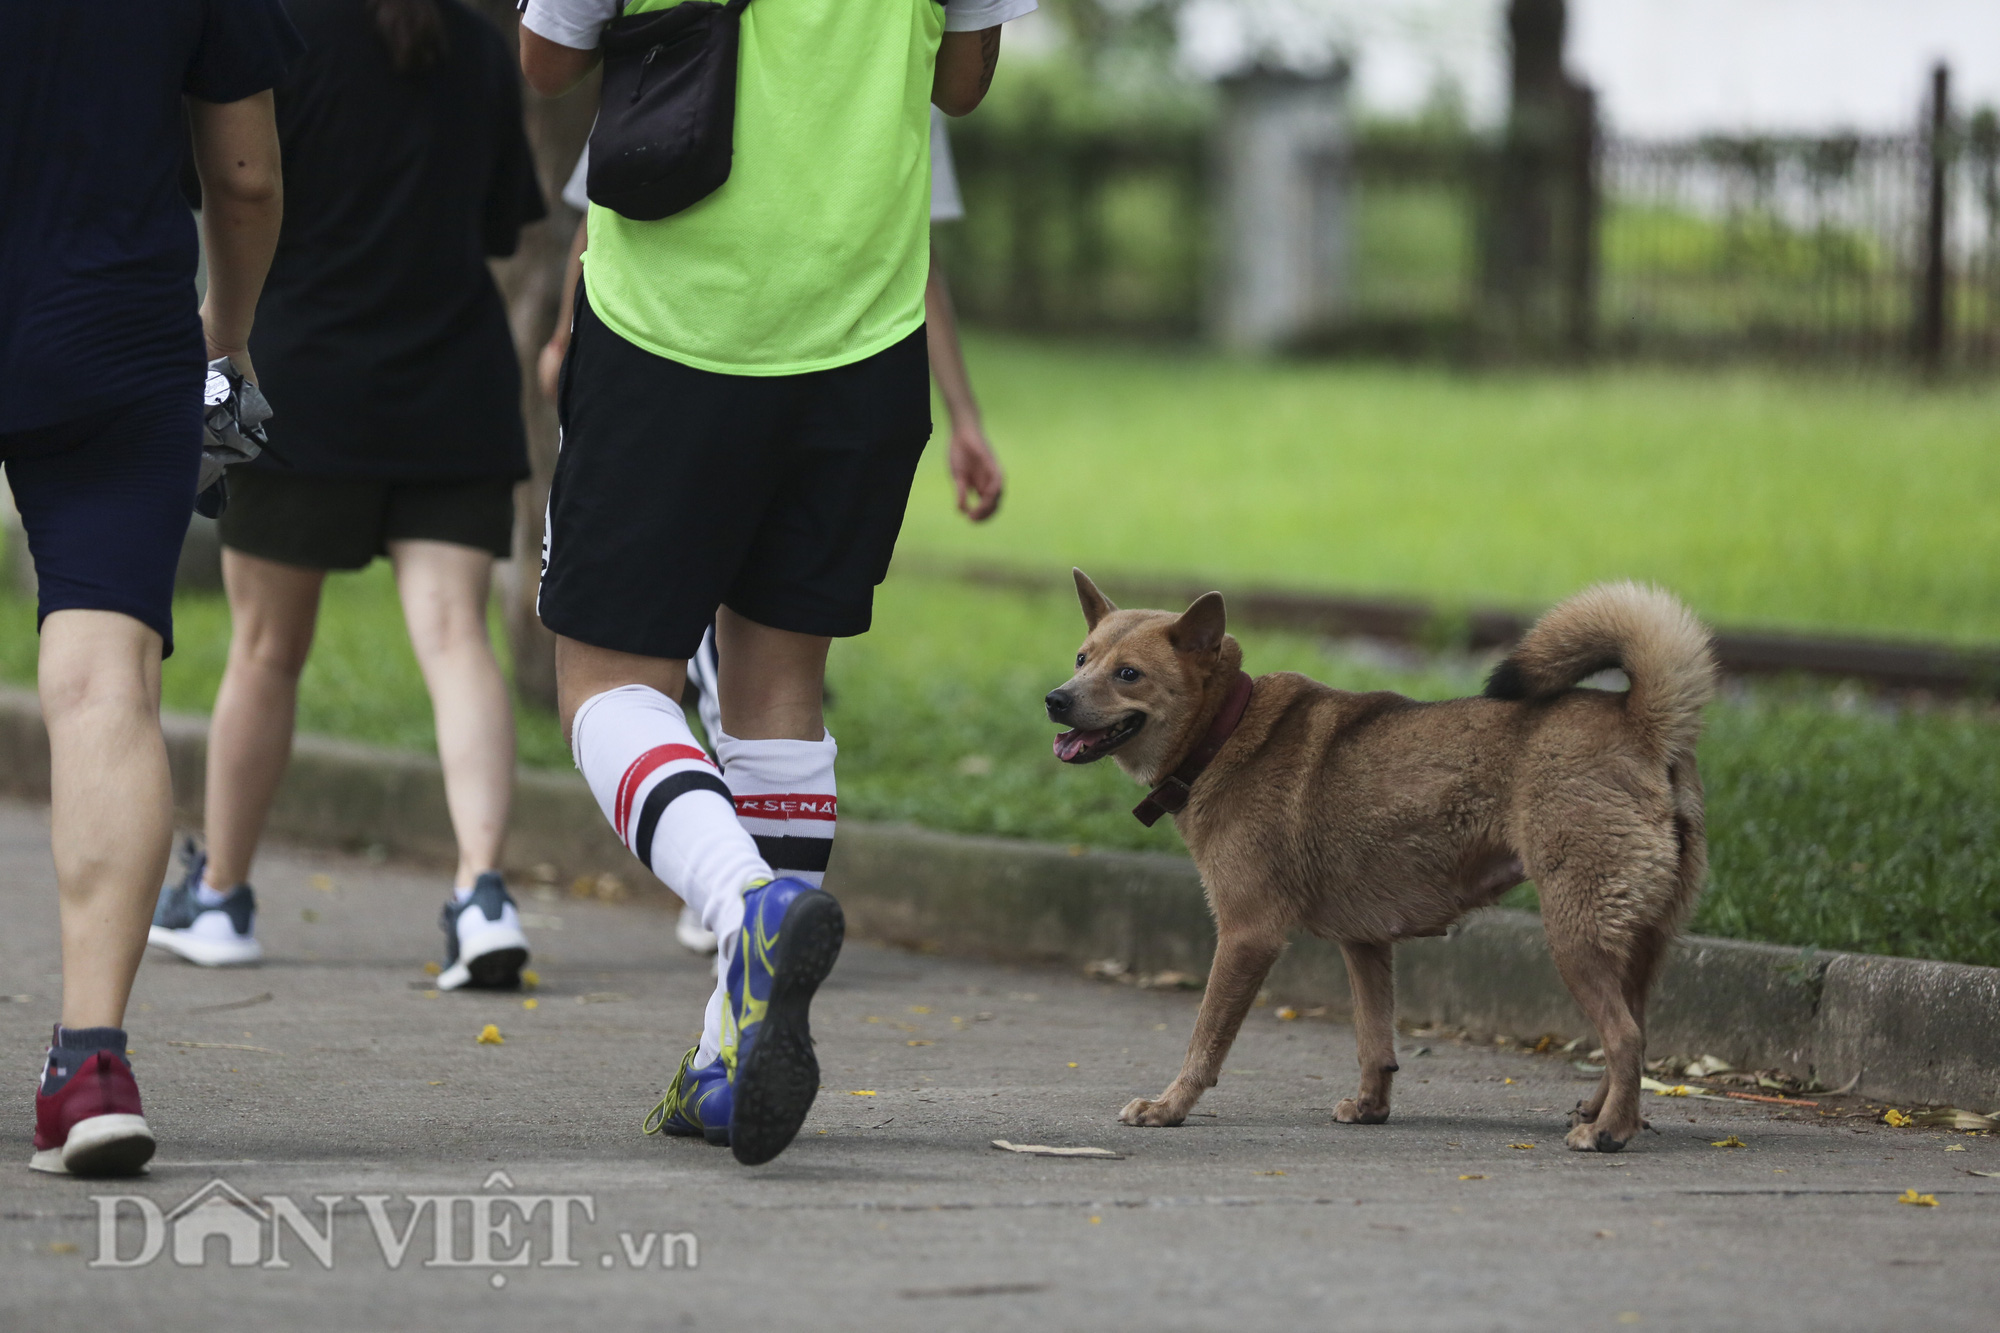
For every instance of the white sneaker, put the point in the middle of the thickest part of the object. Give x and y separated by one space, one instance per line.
694 937
219 935
484 947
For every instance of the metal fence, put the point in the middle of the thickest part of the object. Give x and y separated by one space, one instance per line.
1838 247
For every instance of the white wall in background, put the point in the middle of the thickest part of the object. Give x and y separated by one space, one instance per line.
1662 67
1674 67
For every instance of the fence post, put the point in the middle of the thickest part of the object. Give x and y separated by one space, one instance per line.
1584 206
1933 313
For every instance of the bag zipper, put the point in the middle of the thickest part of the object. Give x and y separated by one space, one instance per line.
644 65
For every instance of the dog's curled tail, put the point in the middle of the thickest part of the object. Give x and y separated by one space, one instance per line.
1663 650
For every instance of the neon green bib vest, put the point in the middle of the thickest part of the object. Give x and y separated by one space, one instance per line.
814 253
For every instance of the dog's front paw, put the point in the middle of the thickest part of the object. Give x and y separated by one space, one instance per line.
1352 1111
1159 1114
1588 1137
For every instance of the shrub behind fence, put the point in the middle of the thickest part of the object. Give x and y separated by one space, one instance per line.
1798 246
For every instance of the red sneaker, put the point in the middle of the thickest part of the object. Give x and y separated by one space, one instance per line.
92 1124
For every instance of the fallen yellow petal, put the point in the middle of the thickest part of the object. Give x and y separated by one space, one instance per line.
1287 1014
1678 1090
1267 1173
1095 1220
1072 1064
437 1083
430 995
916 1043
920 1008
1910 1196
1520 1145
1896 1119
490 1036
1506 1080
1731 1142
530 977
863 1092
432 969
1472 1177
1955 1147
530 1004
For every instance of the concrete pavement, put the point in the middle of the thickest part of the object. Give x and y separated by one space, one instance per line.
331 1088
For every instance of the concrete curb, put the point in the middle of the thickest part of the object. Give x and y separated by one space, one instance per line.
1910 1030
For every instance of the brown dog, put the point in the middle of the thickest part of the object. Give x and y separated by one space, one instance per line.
1370 818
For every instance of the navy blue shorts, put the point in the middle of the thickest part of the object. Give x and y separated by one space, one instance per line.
106 499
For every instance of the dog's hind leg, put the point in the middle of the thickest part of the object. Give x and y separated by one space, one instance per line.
1371 976
1242 960
1641 965
1597 970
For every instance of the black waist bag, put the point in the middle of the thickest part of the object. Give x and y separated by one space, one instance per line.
666 124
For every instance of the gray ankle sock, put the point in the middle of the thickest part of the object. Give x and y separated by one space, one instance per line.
71 1047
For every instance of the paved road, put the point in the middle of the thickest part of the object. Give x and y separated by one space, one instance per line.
331 1072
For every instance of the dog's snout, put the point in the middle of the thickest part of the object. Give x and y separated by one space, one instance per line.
1059 704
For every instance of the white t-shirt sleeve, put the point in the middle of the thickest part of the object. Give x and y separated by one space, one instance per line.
973 15
572 23
946 205
574 193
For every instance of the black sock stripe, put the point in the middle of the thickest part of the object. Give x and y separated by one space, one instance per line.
670 789
790 853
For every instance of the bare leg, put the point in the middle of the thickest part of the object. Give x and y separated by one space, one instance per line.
444 588
1242 961
773 681
111 801
272 610
1371 975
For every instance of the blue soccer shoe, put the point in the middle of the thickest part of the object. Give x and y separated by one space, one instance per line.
791 936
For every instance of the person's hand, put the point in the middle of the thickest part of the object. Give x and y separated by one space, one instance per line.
240 356
548 366
975 472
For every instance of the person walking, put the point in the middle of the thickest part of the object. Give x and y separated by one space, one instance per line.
977 478
102 355
384 342
744 402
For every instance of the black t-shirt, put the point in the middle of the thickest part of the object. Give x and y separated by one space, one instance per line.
97 249
381 340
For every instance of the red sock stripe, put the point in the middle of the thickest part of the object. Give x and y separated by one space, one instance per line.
642 768
787 805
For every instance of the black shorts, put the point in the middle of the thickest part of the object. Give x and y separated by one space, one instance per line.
105 500
345 522
680 490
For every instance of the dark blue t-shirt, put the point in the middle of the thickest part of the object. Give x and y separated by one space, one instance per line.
97 247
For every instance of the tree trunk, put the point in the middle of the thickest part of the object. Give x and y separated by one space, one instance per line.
531 284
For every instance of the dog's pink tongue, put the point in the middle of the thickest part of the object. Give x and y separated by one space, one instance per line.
1070 744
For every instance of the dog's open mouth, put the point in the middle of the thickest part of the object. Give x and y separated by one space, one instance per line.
1087 746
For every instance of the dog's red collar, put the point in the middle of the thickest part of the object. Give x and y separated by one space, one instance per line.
1171 796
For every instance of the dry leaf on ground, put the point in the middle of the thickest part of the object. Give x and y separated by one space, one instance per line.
1731 1142
1044 1150
1951 1117
1910 1196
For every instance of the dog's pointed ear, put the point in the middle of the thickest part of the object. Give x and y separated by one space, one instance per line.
1096 605
1199 630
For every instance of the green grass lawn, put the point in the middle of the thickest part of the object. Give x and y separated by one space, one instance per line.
1854 505
1811 501
1832 821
